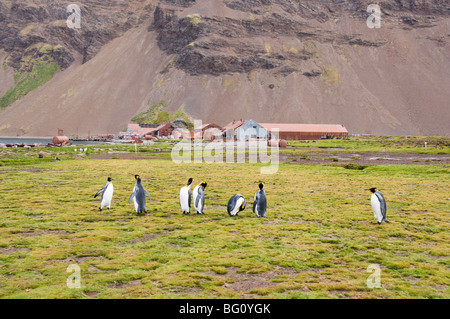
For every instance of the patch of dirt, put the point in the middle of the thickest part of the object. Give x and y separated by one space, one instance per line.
92 295
44 232
412 279
419 212
118 285
32 170
441 287
224 208
80 260
92 268
189 291
130 156
35 216
12 250
245 282
370 158
142 239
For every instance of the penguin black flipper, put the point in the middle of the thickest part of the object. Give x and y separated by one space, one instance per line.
203 200
231 204
255 202
382 204
100 191
189 199
147 193
198 197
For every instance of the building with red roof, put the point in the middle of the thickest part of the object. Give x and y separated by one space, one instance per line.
289 131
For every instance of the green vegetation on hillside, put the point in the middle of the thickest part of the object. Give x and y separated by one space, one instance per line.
157 115
40 74
37 67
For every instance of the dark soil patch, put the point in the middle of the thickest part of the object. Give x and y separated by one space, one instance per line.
131 156
142 239
370 158
12 250
245 281
43 232
119 285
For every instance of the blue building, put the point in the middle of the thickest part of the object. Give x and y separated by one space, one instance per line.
245 130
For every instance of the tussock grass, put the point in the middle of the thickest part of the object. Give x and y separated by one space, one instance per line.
317 240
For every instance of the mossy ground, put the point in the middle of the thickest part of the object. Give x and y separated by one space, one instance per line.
156 115
317 240
40 75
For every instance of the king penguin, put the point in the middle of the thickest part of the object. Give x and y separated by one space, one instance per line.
236 204
185 197
199 197
378 205
260 203
138 196
107 194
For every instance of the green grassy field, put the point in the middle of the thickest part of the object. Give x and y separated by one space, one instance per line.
317 241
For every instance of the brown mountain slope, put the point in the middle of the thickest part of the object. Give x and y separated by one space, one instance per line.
269 60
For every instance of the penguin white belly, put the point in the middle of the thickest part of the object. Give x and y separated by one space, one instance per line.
107 197
236 208
136 205
200 207
376 206
184 199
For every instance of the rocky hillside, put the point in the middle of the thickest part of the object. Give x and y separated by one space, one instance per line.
309 61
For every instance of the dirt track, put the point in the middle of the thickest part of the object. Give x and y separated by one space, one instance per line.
371 158
367 158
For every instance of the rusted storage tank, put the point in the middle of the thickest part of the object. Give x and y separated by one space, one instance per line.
272 143
60 140
283 143
279 143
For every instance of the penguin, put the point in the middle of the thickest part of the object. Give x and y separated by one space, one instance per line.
107 194
378 205
199 197
185 197
138 196
236 204
260 203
